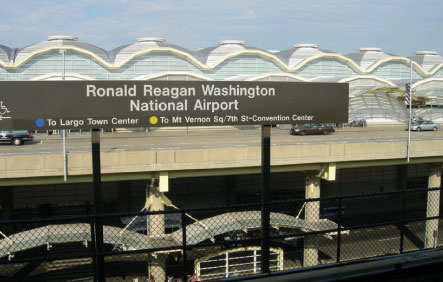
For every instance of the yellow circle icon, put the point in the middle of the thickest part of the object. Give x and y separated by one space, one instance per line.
153 120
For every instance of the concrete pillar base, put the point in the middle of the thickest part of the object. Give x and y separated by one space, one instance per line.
312 213
157 267
156 222
310 251
157 263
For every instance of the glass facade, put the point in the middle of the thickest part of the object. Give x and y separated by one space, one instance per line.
363 71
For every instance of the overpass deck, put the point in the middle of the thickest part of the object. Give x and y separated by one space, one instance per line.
209 151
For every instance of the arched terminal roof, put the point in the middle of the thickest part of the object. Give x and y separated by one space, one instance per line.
300 52
121 54
366 57
427 59
212 55
215 61
5 54
58 41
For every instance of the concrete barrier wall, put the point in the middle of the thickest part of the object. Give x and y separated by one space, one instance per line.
44 165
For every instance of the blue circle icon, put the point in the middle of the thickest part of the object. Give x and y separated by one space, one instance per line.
40 122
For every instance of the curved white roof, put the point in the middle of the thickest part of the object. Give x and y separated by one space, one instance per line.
299 53
427 59
366 57
365 61
59 41
121 54
5 53
212 55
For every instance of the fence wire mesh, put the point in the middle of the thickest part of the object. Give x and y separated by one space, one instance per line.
212 243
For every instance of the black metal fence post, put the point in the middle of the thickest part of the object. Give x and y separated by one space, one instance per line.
265 187
98 221
402 222
339 229
185 259
94 250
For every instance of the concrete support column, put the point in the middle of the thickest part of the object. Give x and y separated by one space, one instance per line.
402 177
123 196
433 207
231 189
156 222
157 265
6 206
6 202
312 213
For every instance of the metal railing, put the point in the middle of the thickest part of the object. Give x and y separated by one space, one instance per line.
308 233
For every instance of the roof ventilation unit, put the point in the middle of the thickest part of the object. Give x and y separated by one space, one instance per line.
62 37
369 49
422 53
232 42
296 46
151 39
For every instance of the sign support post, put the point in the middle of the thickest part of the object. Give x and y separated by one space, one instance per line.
265 191
98 221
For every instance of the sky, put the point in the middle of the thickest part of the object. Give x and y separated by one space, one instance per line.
399 27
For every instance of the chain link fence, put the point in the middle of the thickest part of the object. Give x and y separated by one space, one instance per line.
213 243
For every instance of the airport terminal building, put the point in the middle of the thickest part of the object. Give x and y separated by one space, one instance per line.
331 184
376 78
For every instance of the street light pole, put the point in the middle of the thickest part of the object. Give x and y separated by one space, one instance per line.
410 110
65 159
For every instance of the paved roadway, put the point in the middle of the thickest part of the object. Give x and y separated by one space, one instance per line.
378 241
370 242
176 139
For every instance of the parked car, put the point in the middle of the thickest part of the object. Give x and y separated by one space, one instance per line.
424 125
358 123
16 137
310 129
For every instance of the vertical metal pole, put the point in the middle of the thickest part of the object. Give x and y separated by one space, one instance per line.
339 229
146 200
226 265
185 258
65 167
265 191
98 222
65 159
402 227
94 250
410 109
63 63
255 261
